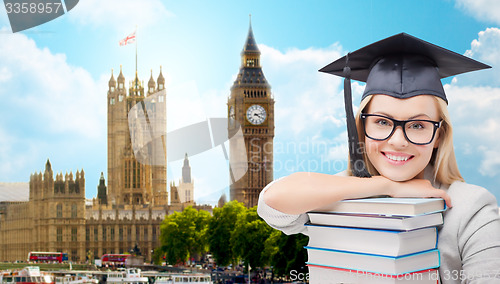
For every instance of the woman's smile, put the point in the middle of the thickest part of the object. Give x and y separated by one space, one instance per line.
397 158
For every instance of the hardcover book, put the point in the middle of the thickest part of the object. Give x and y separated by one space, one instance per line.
403 223
371 241
374 263
326 275
387 206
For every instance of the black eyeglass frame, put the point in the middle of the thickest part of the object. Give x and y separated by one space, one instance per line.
402 123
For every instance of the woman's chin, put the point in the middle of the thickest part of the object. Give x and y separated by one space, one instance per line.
397 176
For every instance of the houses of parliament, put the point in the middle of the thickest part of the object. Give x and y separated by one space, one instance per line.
128 211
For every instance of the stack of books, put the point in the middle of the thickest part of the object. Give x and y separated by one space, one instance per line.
375 240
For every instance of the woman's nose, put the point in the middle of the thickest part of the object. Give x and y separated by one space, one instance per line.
398 138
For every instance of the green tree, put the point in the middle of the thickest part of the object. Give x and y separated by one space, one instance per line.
183 234
248 238
220 228
158 256
286 253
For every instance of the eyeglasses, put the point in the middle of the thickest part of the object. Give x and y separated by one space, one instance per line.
416 131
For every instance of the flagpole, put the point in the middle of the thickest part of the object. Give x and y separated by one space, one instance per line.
136 79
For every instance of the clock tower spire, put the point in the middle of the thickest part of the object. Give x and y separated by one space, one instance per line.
251 104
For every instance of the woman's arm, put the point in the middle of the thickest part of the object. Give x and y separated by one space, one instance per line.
302 192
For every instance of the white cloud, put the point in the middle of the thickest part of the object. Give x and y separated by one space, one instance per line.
307 102
49 108
59 97
482 10
474 98
5 74
4 19
123 15
476 126
484 49
490 165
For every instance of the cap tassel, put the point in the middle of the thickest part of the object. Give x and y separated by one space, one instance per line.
358 166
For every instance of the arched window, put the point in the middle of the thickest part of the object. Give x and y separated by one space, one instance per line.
59 210
74 210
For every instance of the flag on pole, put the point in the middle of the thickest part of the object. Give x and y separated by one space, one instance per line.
129 39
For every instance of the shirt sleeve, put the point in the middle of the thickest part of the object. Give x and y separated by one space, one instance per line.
479 239
287 223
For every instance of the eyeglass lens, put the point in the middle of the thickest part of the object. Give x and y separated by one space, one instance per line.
417 131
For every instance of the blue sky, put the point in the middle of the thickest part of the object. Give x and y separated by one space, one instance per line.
54 78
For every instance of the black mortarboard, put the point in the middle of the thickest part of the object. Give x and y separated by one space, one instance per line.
401 66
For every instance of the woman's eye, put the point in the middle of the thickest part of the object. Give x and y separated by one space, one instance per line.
383 122
416 125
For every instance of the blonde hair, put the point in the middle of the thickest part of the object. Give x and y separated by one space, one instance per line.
443 157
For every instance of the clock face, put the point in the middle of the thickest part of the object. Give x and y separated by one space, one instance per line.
256 114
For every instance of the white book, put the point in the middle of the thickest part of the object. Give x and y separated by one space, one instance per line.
371 241
328 275
374 263
387 206
405 223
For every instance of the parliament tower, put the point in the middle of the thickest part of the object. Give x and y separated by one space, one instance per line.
251 105
131 182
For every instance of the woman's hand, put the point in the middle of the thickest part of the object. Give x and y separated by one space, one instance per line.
417 188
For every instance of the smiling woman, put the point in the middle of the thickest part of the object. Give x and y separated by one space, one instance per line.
408 152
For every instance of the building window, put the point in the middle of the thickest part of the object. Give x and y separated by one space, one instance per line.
154 233
104 233
145 234
138 175
74 255
134 175
127 174
137 233
160 86
120 98
87 234
112 231
96 253
250 63
59 234
74 234
74 210
129 234
120 86
59 210
120 234
112 89
160 99
96 236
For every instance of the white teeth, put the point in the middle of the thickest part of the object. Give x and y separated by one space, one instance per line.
396 158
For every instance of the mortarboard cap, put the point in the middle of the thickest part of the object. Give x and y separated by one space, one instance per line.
401 66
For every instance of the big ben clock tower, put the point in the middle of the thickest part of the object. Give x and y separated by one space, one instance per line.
251 105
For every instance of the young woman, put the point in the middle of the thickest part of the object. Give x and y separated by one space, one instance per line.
406 131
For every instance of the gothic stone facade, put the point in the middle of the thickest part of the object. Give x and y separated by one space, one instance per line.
57 218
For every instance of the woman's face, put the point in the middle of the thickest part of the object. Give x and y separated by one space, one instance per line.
396 158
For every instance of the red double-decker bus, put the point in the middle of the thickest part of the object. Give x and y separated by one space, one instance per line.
114 259
43 256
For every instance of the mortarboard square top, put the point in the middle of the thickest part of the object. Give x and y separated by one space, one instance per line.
403 66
